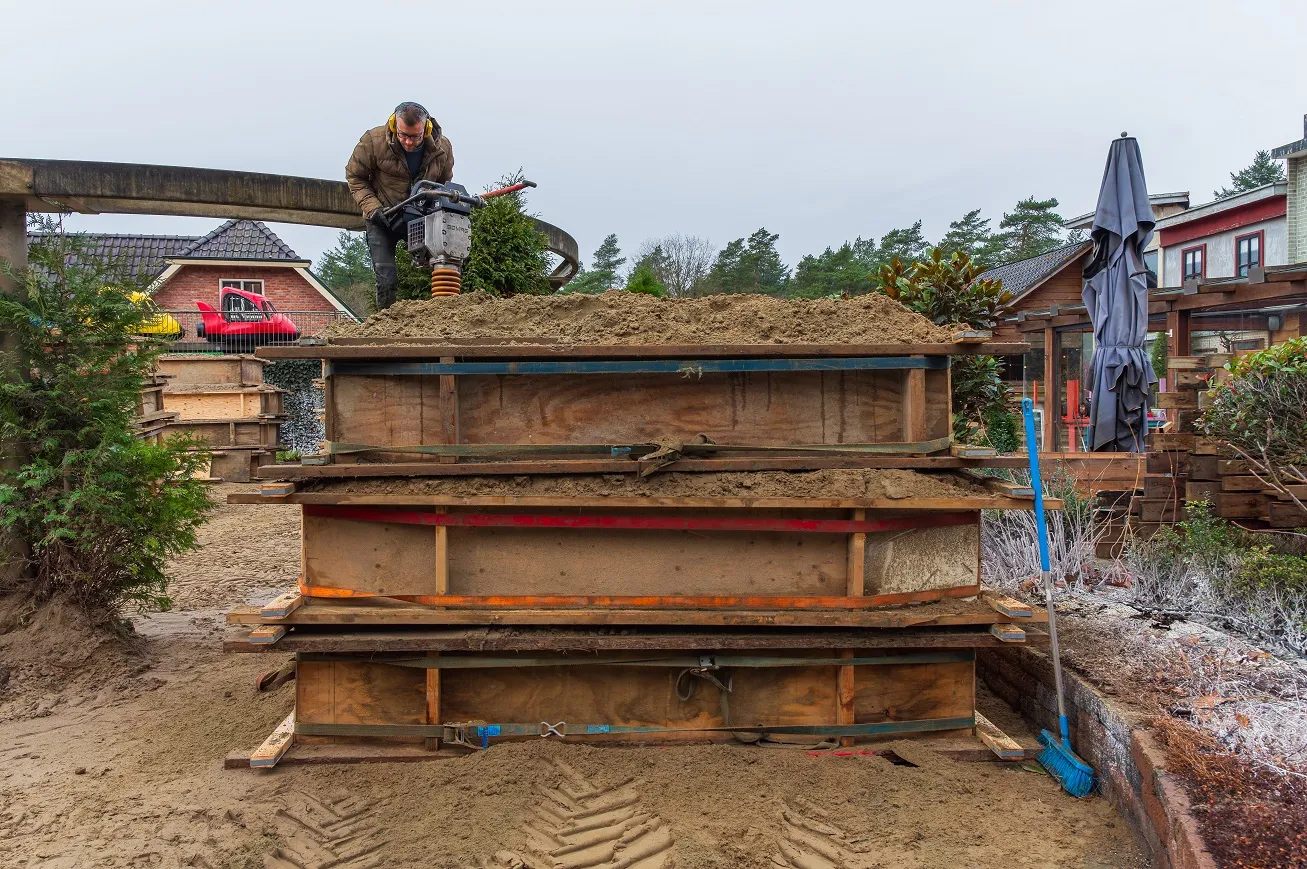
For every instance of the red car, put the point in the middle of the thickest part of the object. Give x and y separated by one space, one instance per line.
247 320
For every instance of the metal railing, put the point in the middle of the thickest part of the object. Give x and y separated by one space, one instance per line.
236 335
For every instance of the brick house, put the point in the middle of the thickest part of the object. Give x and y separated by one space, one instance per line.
180 270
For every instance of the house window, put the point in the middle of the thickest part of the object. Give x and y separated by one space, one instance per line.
1247 253
1194 260
237 284
1150 265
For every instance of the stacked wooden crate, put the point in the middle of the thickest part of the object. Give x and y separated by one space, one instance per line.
222 400
152 419
617 543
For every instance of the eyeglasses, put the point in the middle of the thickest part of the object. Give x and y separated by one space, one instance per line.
414 137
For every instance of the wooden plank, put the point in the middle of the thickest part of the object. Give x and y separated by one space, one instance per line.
274 748
1241 484
1008 606
268 490
1168 462
1239 505
1179 400
266 635
356 692
1164 510
433 706
1159 440
370 640
1207 490
958 504
1003 746
412 348
904 692
282 605
1285 514
1231 467
449 418
1183 379
396 614
626 466
1209 447
1008 633
845 697
856 575
914 404
1202 468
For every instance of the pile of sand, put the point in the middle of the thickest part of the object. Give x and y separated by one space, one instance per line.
843 483
619 317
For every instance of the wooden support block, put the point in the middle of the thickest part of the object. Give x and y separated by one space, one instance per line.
1184 399
1209 447
1168 462
1241 484
1203 468
845 695
266 635
1186 363
1010 607
274 748
1285 514
914 405
281 606
1008 633
275 489
1004 746
1205 490
448 410
1160 510
965 451
857 560
1160 440
1164 486
972 336
1180 379
1239 505
432 743
1231 468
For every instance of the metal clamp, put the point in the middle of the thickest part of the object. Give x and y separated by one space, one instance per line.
547 730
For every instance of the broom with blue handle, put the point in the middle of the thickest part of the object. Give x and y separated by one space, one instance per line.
1075 776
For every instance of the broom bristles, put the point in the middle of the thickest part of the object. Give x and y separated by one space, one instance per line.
1075 776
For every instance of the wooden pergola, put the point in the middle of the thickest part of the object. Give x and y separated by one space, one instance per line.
1176 307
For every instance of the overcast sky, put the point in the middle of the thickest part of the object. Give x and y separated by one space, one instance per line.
820 120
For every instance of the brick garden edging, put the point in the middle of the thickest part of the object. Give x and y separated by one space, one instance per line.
1131 767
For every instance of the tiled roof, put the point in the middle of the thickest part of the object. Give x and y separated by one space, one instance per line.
240 239
1023 275
137 257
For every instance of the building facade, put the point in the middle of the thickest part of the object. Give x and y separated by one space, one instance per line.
1226 238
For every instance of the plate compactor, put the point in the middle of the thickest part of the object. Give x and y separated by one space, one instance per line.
439 228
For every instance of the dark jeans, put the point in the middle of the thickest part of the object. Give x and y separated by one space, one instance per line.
381 245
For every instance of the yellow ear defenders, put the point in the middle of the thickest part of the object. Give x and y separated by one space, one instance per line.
430 127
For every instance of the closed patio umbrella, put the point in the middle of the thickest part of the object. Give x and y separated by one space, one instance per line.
1116 295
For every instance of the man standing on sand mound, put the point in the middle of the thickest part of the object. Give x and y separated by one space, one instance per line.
386 162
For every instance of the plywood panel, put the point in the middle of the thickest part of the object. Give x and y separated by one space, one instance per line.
908 692
358 692
754 408
922 559
374 557
539 561
198 369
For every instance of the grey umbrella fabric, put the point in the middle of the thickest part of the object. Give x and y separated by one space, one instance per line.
1116 295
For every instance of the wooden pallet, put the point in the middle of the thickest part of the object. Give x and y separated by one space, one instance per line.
195 369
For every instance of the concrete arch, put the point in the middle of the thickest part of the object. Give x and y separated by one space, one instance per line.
87 187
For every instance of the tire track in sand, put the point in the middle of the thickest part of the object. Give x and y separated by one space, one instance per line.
579 825
810 841
326 834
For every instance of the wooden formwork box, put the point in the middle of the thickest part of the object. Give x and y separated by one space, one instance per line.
415 403
194 369
238 465
254 433
224 401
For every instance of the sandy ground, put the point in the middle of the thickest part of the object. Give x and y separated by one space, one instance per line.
113 757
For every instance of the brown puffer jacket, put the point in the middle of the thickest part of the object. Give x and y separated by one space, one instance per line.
377 171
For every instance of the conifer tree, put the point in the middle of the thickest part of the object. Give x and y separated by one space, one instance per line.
1263 170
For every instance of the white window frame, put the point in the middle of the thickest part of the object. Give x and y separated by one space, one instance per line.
241 284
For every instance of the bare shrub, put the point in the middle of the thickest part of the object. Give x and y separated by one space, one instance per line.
1009 541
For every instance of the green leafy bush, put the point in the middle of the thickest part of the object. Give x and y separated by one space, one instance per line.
643 280
97 510
1261 411
949 291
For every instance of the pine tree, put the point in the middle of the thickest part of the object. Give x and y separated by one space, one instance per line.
970 235
509 256
909 245
603 274
644 280
848 270
1032 228
750 265
1263 170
